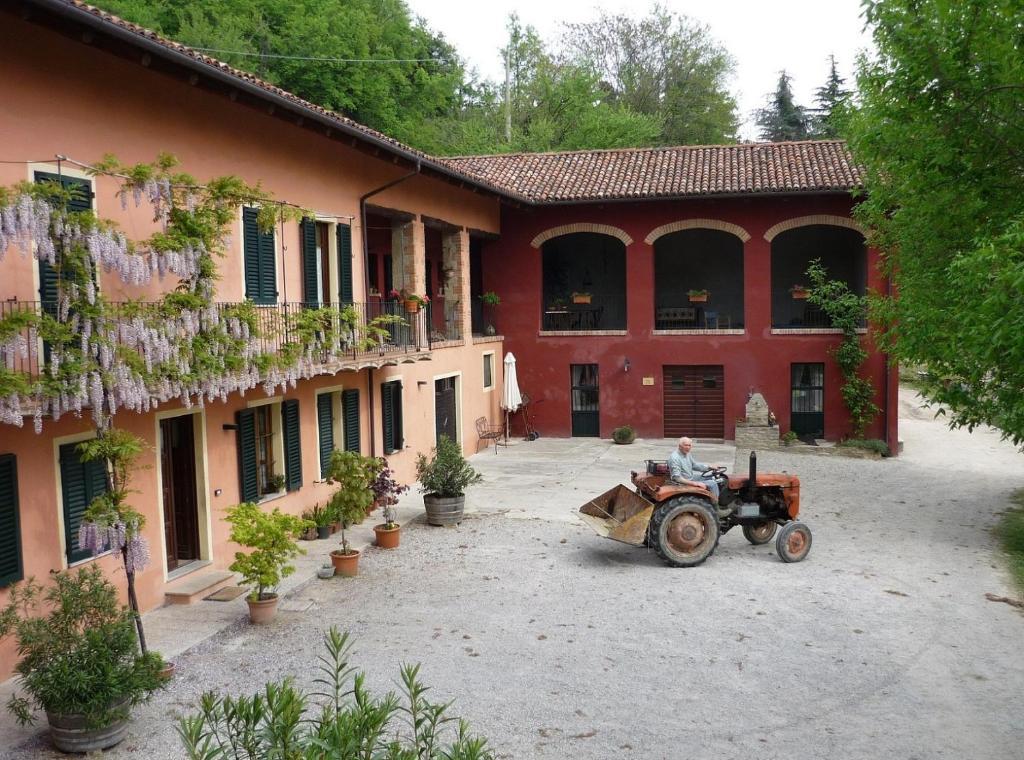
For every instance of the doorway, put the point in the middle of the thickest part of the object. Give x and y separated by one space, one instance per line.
694 401
178 476
807 400
586 411
445 417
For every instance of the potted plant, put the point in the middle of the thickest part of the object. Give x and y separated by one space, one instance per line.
79 659
581 297
272 538
800 292
413 302
557 305
386 491
275 484
490 298
322 519
353 473
443 482
698 295
309 534
624 434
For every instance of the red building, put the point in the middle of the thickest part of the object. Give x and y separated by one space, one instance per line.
601 262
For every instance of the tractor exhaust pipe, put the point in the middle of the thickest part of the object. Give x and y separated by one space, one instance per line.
752 480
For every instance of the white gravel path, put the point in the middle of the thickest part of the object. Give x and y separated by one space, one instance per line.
555 643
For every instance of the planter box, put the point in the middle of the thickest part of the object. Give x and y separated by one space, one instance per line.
444 510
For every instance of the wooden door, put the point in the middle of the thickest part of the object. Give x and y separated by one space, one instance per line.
694 401
178 473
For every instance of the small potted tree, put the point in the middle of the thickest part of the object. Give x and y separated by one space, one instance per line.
272 537
490 300
353 473
386 491
80 661
443 482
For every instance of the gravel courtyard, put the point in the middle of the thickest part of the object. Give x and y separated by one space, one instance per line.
555 643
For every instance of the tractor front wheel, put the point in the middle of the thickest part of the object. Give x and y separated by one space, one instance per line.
760 533
794 542
684 531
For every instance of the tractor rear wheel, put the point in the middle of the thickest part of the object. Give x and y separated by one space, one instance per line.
794 542
684 531
760 533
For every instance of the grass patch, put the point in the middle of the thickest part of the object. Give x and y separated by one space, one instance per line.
869 444
1011 534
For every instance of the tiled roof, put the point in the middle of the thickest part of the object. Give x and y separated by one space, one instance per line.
593 175
703 170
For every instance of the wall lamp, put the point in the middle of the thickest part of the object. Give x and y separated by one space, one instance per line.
625 365
229 426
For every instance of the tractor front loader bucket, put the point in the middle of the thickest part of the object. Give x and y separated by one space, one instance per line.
620 514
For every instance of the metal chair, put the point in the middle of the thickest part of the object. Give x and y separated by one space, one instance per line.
486 431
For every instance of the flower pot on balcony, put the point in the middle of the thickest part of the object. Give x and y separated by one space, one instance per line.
581 298
701 298
799 294
412 306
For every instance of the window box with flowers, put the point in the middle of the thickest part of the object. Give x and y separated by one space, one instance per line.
698 295
800 292
413 302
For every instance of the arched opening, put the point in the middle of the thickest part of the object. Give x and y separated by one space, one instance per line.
584 282
843 255
698 280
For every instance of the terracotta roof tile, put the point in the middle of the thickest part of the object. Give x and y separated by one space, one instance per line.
752 168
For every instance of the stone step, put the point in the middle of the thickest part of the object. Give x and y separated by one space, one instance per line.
195 586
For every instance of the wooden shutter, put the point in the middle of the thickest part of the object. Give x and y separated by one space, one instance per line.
391 408
245 421
11 568
292 444
80 482
350 418
260 264
310 282
396 391
81 200
325 428
345 292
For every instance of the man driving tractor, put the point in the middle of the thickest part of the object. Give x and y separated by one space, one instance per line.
686 470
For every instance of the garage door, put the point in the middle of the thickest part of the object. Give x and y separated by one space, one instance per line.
694 401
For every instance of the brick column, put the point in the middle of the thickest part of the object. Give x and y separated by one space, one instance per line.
408 257
455 248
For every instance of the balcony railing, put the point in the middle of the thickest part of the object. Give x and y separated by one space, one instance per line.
602 313
444 320
350 332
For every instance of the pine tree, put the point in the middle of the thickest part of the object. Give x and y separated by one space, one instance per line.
782 118
830 100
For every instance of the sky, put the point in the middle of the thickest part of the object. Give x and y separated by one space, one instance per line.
764 36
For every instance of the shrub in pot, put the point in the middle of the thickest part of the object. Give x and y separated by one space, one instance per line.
386 491
353 473
624 434
444 479
322 519
272 537
80 660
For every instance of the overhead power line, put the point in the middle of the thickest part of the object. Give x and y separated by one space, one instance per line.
314 58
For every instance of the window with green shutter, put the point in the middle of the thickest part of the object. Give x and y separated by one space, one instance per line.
260 260
350 418
11 569
80 483
292 444
391 410
345 292
310 278
325 429
245 424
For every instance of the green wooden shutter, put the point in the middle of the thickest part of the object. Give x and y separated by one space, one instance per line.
292 444
350 418
345 292
310 291
80 201
396 391
11 568
81 482
260 260
268 268
245 421
391 408
325 427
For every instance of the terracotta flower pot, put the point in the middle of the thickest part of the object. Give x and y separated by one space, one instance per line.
412 306
799 295
387 538
167 672
346 564
581 299
262 610
699 299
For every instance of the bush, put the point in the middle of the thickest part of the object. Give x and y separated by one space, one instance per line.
789 438
624 434
447 473
868 444
81 655
272 536
346 721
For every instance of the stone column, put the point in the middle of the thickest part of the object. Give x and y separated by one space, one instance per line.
409 268
455 248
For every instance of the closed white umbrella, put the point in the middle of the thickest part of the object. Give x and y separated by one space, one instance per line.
511 398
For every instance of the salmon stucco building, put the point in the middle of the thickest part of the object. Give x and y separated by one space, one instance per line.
593 255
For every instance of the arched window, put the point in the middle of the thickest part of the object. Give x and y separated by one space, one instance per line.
698 280
584 282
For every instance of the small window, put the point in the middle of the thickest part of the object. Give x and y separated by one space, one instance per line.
488 371
264 448
269 449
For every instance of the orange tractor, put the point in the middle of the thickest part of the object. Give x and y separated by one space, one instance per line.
683 523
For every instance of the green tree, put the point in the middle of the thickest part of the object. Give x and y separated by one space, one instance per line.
782 118
664 65
830 100
939 131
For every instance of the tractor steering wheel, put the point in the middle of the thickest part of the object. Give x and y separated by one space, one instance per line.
715 472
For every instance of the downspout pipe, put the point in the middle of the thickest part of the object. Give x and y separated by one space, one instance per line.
366 277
